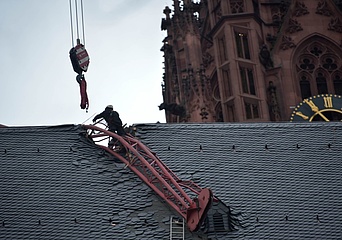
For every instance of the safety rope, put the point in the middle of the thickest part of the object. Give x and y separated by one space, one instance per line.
84 95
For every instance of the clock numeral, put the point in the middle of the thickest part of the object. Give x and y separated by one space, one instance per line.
313 107
328 102
300 114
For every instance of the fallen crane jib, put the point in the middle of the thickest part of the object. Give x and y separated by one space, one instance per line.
199 209
127 142
194 188
180 197
162 180
178 203
152 156
147 153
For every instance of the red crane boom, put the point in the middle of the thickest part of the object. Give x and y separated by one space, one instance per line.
145 163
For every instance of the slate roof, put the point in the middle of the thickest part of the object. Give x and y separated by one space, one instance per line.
281 180
55 184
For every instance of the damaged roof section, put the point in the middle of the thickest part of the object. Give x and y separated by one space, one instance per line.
57 184
279 180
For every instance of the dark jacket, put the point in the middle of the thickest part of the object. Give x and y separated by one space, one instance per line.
113 120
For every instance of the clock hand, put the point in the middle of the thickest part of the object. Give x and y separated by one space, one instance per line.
315 109
325 119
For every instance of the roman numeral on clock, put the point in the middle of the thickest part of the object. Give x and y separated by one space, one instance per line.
328 102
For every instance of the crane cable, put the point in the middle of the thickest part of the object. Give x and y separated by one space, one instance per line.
78 54
79 22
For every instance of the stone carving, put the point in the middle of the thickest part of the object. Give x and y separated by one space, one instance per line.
271 39
335 25
294 26
265 57
218 13
323 9
204 114
300 9
277 16
287 43
207 59
273 103
173 108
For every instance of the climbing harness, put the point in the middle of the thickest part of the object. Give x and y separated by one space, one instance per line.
78 54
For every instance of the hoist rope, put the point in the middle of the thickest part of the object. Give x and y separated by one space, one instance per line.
78 55
77 31
79 23
72 28
82 22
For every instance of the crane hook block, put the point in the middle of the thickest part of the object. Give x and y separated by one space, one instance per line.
79 58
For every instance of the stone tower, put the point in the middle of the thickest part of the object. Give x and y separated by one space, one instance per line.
249 60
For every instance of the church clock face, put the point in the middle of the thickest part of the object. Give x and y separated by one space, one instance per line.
323 107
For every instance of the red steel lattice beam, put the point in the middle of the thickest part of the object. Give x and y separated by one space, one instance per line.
145 164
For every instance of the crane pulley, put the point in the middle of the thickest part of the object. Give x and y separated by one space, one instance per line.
78 54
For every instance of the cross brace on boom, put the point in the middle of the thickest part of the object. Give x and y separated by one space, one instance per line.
145 163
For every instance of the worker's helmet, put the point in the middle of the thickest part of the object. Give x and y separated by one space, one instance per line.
110 107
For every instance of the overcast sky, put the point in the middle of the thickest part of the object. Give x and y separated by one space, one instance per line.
37 83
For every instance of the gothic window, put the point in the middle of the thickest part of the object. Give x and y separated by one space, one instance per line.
222 49
226 82
215 88
252 110
315 50
231 115
247 80
329 64
307 64
237 6
242 45
337 81
321 82
305 87
319 67
219 113
216 93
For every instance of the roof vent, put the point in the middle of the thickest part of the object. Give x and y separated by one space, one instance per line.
218 222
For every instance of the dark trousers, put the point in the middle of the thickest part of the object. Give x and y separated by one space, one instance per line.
117 129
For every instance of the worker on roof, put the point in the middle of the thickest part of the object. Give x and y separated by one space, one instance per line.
113 120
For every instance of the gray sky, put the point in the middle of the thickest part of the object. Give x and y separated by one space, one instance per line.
37 83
